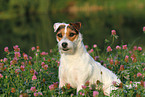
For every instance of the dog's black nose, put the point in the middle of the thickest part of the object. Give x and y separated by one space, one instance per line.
64 44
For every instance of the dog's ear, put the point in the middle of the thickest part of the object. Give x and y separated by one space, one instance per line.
76 25
56 26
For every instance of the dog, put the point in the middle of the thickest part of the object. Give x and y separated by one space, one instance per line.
76 65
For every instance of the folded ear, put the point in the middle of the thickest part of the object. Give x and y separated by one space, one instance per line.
76 25
56 26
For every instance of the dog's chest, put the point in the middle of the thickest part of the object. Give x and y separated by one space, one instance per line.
72 70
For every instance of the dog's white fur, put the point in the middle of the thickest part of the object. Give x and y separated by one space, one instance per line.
77 66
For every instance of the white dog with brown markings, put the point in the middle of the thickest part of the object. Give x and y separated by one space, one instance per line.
76 65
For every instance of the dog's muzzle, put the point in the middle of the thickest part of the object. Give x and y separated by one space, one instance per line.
64 45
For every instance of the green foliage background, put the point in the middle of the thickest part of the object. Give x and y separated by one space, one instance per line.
30 22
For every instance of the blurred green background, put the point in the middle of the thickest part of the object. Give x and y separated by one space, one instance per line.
29 23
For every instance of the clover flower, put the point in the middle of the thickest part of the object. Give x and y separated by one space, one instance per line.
33 89
95 93
109 49
34 77
113 32
1 75
6 49
124 47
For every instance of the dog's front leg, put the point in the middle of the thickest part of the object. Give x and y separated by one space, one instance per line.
79 87
61 84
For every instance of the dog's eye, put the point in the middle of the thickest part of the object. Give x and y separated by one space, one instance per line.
71 34
59 35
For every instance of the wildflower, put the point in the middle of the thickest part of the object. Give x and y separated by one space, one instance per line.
6 49
94 45
84 87
38 48
116 62
124 46
130 52
17 54
95 93
50 50
126 58
96 58
87 83
39 93
16 48
82 94
5 59
29 63
17 71
23 95
44 53
121 85
22 68
33 48
135 48
51 87
33 89
90 51
36 94
118 47
23 63
30 57
105 65
32 71
90 88
111 61
121 67
142 83
1 75
139 48
42 64
139 74
58 63
35 72
101 62
134 60
144 29
130 82
86 46
43 79
113 32
68 86
45 67
109 67
133 56
109 49
13 90
14 61
34 77
25 56
55 84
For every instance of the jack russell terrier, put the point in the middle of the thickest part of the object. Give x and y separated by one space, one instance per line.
76 65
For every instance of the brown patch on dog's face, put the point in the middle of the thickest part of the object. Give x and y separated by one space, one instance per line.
60 34
70 33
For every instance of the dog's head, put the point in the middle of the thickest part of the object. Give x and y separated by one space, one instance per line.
68 36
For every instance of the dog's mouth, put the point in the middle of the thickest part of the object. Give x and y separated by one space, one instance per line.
65 49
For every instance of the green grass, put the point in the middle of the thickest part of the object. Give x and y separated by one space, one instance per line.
21 74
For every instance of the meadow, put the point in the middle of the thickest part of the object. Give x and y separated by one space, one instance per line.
22 75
